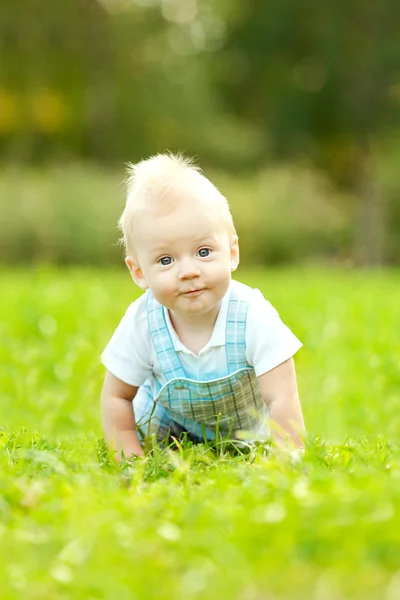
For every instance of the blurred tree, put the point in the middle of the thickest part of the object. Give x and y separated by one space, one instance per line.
321 80
109 80
55 58
165 87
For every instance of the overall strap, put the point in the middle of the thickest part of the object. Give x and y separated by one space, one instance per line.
169 361
235 337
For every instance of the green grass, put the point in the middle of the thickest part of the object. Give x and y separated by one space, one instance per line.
193 522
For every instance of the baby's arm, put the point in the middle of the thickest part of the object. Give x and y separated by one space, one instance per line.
279 392
118 418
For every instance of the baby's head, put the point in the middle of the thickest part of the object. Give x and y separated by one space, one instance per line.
178 233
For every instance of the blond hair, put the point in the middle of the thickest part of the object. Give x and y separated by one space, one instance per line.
160 182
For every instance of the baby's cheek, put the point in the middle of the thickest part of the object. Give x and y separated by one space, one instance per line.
165 290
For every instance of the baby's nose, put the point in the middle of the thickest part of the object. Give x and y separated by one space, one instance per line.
188 269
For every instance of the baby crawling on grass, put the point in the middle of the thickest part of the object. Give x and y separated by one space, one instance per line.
198 352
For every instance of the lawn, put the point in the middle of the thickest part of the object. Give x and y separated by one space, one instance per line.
194 522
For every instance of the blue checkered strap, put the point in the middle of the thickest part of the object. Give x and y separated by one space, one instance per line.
170 364
235 336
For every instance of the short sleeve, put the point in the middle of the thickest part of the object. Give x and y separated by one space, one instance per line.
269 341
128 355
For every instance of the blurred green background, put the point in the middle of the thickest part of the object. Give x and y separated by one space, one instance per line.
292 109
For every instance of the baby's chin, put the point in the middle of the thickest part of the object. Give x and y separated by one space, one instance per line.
197 306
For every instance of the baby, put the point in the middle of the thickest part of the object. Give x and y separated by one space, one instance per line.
198 352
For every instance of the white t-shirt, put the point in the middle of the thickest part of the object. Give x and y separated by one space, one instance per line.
130 354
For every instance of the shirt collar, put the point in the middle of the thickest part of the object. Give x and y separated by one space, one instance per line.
218 336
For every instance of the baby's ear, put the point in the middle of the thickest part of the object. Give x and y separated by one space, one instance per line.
136 272
234 253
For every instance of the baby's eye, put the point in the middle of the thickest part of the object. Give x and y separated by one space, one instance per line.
165 261
204 252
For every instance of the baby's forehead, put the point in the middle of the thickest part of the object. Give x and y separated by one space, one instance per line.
184 225
184 205
172 209
183 220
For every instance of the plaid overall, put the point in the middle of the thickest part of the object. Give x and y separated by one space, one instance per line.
231 404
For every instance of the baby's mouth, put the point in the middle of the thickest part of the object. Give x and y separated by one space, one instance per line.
194 292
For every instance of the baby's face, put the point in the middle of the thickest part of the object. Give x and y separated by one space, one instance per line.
185 257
